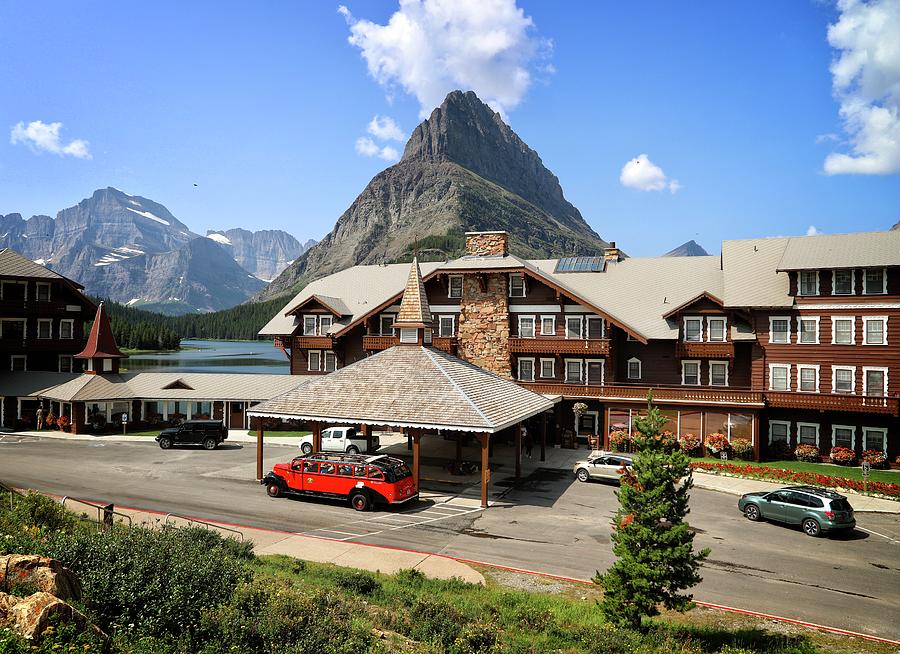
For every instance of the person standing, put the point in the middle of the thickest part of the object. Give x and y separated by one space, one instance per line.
40 418
526 440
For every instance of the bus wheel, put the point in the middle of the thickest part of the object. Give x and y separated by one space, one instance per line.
360 502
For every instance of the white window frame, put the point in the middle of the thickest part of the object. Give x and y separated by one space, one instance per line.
586 373
37 285
807 366
787 425
552 368
852 370
44 321
800 426
107 365
309 365
709 321
884 437
580 320
852 281
524 289
719 363
16 357
884 329
800 320
409 335
450 281
323 329
552 331
692 361
698 319
315 324
519 363
427 335
868 369
587 326
772 367
566 363
883 290
639 368
772 319
852 429
325 357
852 320
800 283
525 319
381 318
452 319
67 357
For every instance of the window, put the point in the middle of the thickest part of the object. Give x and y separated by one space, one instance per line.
594 327
548 368
65 363
634 368
715 329
808 433
842 282
324 325
779 377
107 365
718 373
447 326
808 378
594 371
386 324
44 328
526 370
875 282
409 336
779 330
875 330
693 329
843 436
548 325
573 327
690 373
573 371
843 330
843 379
313 361
42 292
516 285
779 431
330 361
809 282
808 329
875 381
875 438
526 326
455 286
309 325
18 363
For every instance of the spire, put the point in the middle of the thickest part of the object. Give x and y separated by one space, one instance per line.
101 344
414 310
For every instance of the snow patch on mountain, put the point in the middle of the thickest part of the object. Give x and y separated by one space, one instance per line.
147 214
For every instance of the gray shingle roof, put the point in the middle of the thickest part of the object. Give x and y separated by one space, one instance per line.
410 386
13 264
860 250
750 273
25 384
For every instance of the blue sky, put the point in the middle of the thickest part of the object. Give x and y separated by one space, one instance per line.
262 105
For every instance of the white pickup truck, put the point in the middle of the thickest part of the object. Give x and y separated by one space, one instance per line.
340 439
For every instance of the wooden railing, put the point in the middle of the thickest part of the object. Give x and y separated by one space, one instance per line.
833 402
445 343
313 342
539 345
377 343
627 392
687 350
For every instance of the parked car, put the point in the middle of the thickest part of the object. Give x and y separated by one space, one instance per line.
362 480
208 433
816 510
340 439
602 465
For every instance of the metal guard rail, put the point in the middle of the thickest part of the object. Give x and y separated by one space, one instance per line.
101 509
207 525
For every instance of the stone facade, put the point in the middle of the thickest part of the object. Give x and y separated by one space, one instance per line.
484 324
487 244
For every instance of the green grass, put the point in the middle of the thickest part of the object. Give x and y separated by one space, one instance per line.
829 469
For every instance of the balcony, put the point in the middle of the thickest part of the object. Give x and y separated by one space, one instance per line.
377 343
689 350
313 342
661 394
582 346
445 343
833 402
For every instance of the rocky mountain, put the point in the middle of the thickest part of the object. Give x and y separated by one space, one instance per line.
263 254
896 225
689 249
462 169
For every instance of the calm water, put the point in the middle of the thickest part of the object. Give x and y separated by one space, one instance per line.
213 356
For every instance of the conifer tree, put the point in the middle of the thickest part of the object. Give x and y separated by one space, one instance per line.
651 539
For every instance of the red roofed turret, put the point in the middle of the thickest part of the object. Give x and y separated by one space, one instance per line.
101 349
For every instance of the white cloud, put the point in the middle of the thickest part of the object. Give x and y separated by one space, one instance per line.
866 81
644 175
432 47
813 231
44 137
368 148
385 128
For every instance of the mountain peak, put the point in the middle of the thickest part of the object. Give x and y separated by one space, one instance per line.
689 249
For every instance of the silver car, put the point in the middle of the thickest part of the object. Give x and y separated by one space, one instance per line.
602 465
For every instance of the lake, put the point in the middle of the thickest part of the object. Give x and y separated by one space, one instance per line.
213 356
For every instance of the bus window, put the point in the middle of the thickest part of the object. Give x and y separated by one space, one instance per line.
309 466
327 469
346 470
375 473
359 471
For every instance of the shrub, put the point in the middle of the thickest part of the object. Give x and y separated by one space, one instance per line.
742 448
689 443
806 452
42 512
780 451
434 622
476 638
717 442
875 457
842 456
619 440
356 581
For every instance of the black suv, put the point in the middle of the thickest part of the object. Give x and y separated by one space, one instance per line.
208 433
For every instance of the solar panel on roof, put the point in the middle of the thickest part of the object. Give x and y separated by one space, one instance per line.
580 264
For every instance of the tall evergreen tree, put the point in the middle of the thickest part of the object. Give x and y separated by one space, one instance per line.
651 539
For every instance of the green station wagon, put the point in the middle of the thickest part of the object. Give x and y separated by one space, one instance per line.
816 510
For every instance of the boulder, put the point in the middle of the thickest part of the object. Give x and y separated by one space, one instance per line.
38 573
30 616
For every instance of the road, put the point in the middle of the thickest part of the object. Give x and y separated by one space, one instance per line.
546 523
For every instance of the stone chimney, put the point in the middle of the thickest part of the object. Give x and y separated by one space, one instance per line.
612 253
487 244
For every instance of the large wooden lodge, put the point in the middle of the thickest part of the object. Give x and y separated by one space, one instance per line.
778 339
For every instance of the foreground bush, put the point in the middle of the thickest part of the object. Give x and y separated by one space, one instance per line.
780 451
742 448
842 456
808 453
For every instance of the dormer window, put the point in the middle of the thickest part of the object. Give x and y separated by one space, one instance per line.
516 285
455 286
809 282
842 282
324 325
42 292
716 327
875 282
693 330
309 325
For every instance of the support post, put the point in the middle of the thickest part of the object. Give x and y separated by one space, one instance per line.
317 437
408 439
259 447
366 431
485 469
519 451
544 436
459 437
416 435
756 437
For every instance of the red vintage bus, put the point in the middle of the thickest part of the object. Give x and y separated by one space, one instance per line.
363 480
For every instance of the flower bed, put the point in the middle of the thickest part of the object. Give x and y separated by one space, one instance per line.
876 458
779 474
843 456
618 440
690 443
807 452
742 448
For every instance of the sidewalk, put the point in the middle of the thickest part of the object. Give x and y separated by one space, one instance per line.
234 436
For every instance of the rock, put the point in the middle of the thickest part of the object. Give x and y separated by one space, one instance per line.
39 572
30 616
265 253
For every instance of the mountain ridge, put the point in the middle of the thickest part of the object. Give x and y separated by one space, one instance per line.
689 249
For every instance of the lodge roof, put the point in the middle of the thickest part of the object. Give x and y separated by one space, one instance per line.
13 264
859 250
